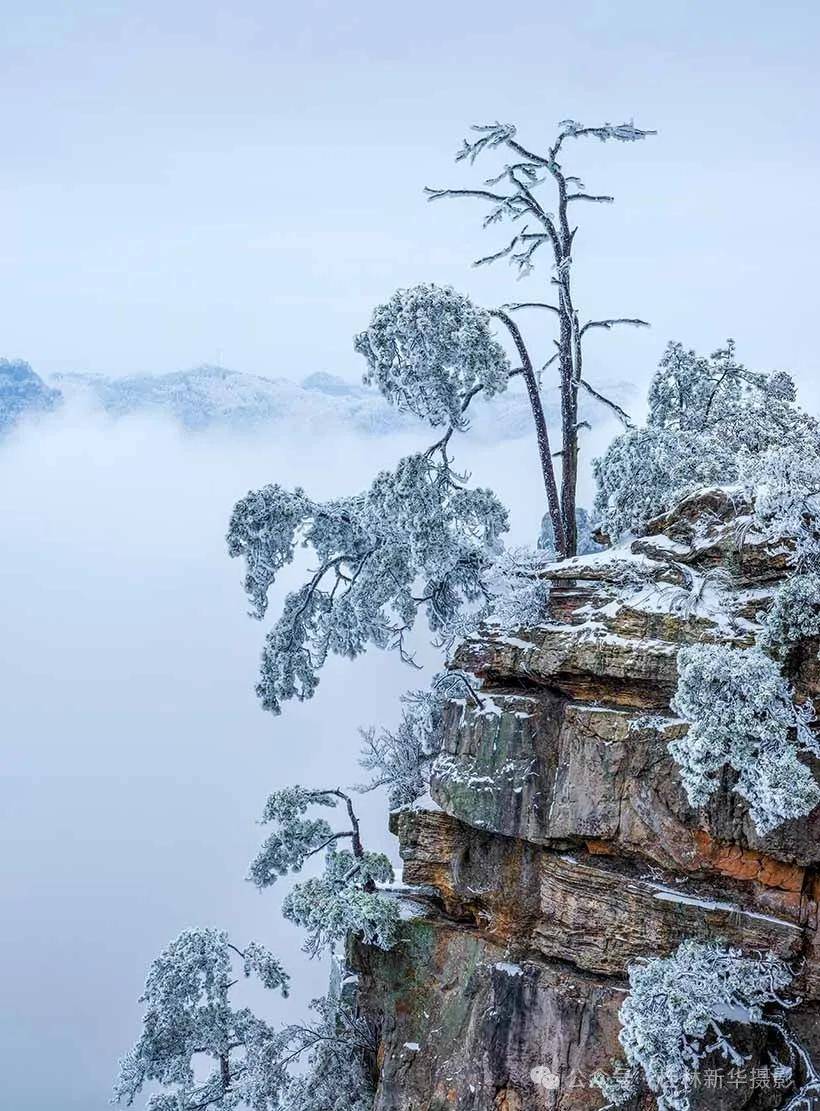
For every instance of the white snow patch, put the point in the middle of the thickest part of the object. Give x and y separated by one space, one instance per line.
509 969
426 802
667 896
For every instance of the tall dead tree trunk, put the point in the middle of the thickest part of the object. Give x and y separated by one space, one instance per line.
521 179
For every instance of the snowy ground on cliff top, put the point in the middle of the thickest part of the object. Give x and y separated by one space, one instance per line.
137 759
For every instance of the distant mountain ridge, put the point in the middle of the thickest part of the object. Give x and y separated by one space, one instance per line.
213 397
22 391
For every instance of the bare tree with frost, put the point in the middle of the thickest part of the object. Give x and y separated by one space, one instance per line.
401 759
202 1050
682 1008
345 899
420 341
742 714
339 1048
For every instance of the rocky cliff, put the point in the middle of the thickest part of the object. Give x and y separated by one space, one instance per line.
560 845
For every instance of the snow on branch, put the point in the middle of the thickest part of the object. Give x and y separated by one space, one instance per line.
609 324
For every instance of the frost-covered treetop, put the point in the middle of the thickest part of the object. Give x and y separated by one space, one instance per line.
417 539
742 714
491 135
717 394
710 421
677 1012
429 350
189 1018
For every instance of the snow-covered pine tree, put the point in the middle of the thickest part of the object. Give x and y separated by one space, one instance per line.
204 1052
681 1008
418 540
345 899
710 422
742 714
430 350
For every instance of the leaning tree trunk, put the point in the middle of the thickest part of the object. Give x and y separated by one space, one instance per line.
541 431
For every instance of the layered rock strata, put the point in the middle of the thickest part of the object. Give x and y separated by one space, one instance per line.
560 846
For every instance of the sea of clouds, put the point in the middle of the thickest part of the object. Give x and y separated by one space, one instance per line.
137 758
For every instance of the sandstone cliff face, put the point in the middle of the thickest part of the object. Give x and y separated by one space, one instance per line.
561 845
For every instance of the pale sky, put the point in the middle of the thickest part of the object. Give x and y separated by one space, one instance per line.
198 182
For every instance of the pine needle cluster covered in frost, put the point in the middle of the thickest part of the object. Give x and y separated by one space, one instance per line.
794 615
677 1012
785 485
742 714
417 539
344 899
428 349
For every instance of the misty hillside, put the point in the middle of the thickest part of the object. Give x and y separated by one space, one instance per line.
215 397
22 391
